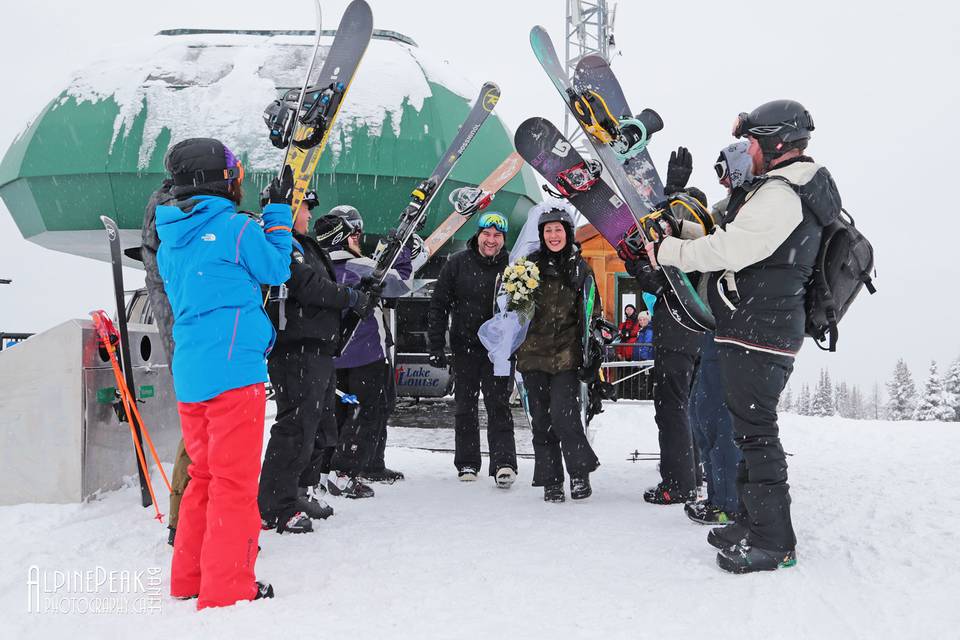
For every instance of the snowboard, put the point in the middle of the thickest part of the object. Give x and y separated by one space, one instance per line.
320 100
500 176
589 293
415 213
593 72
113 236
692 313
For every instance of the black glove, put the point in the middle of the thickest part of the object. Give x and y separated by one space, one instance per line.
438 359
678 170
280 190
363 303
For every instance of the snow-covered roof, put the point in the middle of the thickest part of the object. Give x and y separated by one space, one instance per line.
203 84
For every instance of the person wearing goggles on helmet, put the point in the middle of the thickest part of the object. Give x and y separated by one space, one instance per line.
466 293
364 370
760 258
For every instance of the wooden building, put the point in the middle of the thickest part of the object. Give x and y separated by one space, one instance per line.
617 288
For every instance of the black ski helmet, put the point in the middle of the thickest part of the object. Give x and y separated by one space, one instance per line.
311 200
331 231
350 215
778 126
202 166
556 214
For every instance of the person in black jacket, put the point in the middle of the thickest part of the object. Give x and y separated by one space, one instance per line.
761 258
302 373
467 289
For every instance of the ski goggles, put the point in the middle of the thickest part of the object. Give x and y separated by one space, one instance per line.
495 220
234 170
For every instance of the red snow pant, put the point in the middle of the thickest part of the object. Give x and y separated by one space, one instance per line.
216 545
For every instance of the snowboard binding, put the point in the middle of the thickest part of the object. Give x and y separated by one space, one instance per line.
279 117
318 105
468 200
593 114
651 228
576 179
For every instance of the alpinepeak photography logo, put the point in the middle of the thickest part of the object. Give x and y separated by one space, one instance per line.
95 591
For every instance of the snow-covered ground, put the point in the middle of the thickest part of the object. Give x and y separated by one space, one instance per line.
875 508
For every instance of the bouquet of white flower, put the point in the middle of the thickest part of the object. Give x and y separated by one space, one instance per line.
520 282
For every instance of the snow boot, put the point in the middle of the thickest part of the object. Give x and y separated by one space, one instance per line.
505 477
580 487
310 502
171 536
705 513
467 474
553 493
346 486
264 590
297 522
664 493
744 558
384 476
728 536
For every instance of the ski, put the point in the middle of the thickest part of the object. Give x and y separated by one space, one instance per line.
302 119
692 313
113 235
414 215
500 176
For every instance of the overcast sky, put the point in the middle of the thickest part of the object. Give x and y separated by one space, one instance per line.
879 79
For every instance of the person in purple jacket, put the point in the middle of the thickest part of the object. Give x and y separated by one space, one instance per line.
363 369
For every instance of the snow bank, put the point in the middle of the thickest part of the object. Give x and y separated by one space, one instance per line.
874 509
217 85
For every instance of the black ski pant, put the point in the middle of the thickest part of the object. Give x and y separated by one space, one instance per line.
558 435
473 373
305 387
360 426
754 381
673 377
388 404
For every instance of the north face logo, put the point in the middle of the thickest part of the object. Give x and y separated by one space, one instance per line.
209 237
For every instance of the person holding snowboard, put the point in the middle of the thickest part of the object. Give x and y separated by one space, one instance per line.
466 290
363 369
551 357
676 351
303 376
761 258
213 259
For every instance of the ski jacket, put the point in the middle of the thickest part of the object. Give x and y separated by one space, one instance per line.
628 329
763 254
645 343
213 259
554 340
149 244
372 337
314 300
466 289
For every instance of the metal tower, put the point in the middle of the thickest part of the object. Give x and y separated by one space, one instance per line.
589 29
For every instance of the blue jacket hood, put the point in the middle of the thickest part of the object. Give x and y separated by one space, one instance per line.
180 222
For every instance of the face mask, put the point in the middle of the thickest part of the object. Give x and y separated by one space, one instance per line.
734 166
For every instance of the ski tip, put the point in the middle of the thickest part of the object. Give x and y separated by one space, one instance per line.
107 220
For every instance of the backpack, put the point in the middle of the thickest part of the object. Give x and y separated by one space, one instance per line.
843 267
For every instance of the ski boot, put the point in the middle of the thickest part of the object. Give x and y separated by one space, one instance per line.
383 476
310 502
745 558
553 493
467 474
264 591
505 477
580 487
664 493
171 536
728 536
297 522
346 486
705 513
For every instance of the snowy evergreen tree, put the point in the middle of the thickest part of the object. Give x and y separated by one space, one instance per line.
786 401
841 400
871 410
803 401
933 404
822 402
856 404
902 393
951 387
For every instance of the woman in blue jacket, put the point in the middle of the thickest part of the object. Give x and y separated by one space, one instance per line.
213 260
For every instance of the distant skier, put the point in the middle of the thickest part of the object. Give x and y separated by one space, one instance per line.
303 375
363 369
551 357
212 261
466 291
761 259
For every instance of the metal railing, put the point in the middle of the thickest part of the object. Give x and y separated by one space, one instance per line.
8 340
633 379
